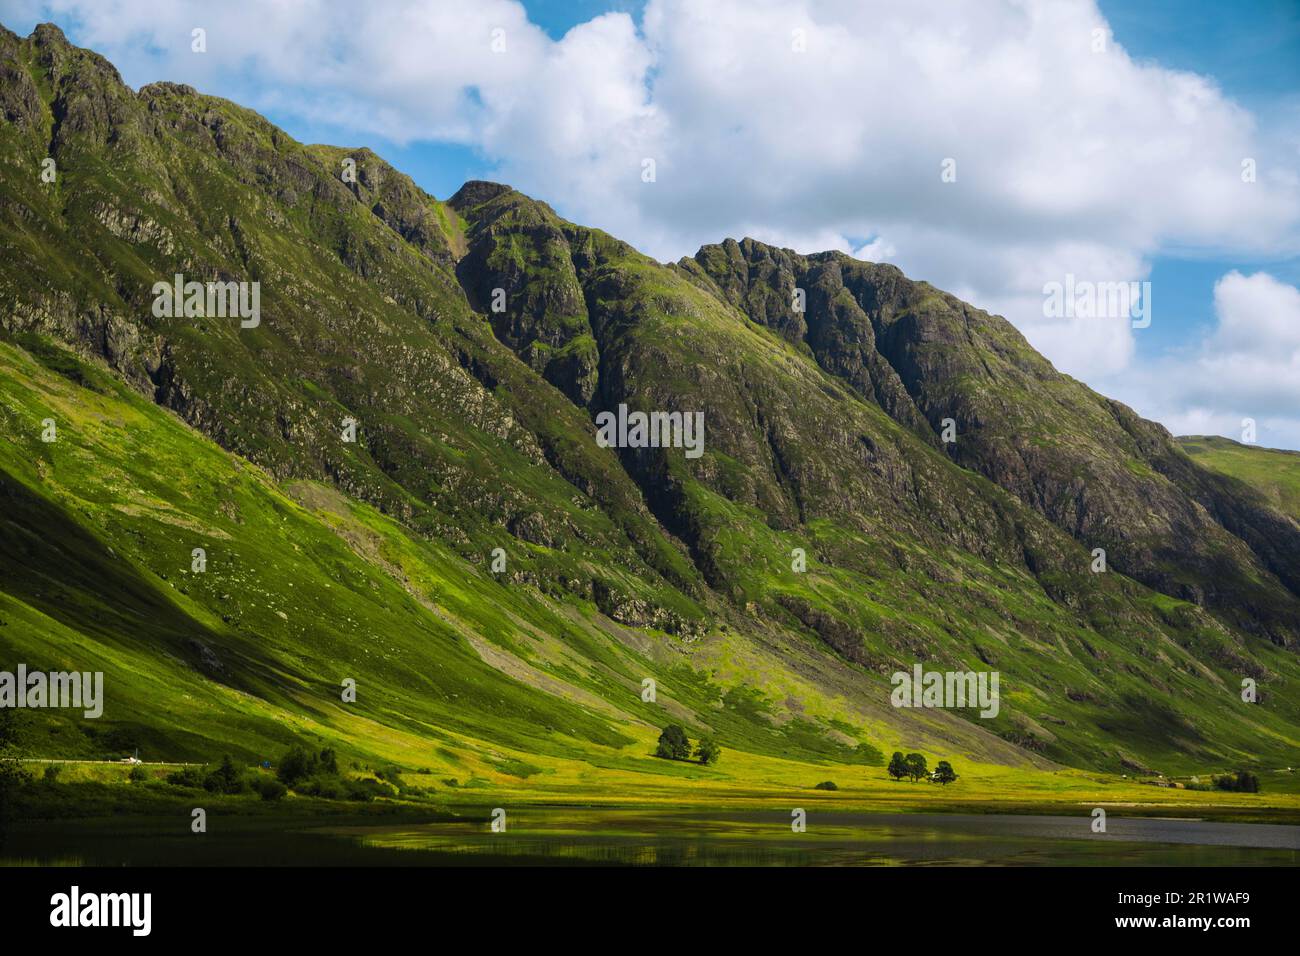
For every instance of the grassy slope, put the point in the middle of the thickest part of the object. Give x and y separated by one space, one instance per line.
299 594
1273 472
369 601
360 597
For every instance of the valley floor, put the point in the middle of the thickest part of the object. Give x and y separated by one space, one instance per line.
745 783
748 810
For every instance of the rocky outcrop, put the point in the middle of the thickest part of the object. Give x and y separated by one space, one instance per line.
1090 465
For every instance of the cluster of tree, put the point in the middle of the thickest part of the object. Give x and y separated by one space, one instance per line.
227 777
307 772
1243 781
300 764
318 775
675 745
915 766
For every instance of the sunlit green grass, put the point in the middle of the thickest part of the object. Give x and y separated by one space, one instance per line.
1273 472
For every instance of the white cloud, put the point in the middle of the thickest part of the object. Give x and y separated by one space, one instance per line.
1069 161
1247 367
1258 315
878 249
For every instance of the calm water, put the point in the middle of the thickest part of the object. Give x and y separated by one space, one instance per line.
551 835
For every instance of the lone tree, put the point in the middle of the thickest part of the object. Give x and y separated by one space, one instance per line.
943 773
898 766
673 743
916 767
708 751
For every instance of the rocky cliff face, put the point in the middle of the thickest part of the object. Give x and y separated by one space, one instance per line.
1090 465
473 343
518 269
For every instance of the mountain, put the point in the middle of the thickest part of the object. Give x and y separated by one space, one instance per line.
472 346
1088 464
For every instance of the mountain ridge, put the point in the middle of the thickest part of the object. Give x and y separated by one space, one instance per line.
475 432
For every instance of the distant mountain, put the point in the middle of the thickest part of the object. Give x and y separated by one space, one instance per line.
474 345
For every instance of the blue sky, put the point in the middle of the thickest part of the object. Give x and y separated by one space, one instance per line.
1118 164
556 17
1252 49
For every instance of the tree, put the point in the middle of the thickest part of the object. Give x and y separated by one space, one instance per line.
329 761
916 766
898 766
708 751
269 788
191 777
226 778
674 744
943 773
297 765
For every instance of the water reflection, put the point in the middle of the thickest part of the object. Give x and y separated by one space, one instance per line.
598 836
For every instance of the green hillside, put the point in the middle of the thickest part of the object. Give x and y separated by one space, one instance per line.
1272 472
329 560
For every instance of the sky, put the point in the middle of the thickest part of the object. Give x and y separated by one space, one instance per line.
999 149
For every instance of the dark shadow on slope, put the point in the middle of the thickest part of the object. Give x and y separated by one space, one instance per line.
61 569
